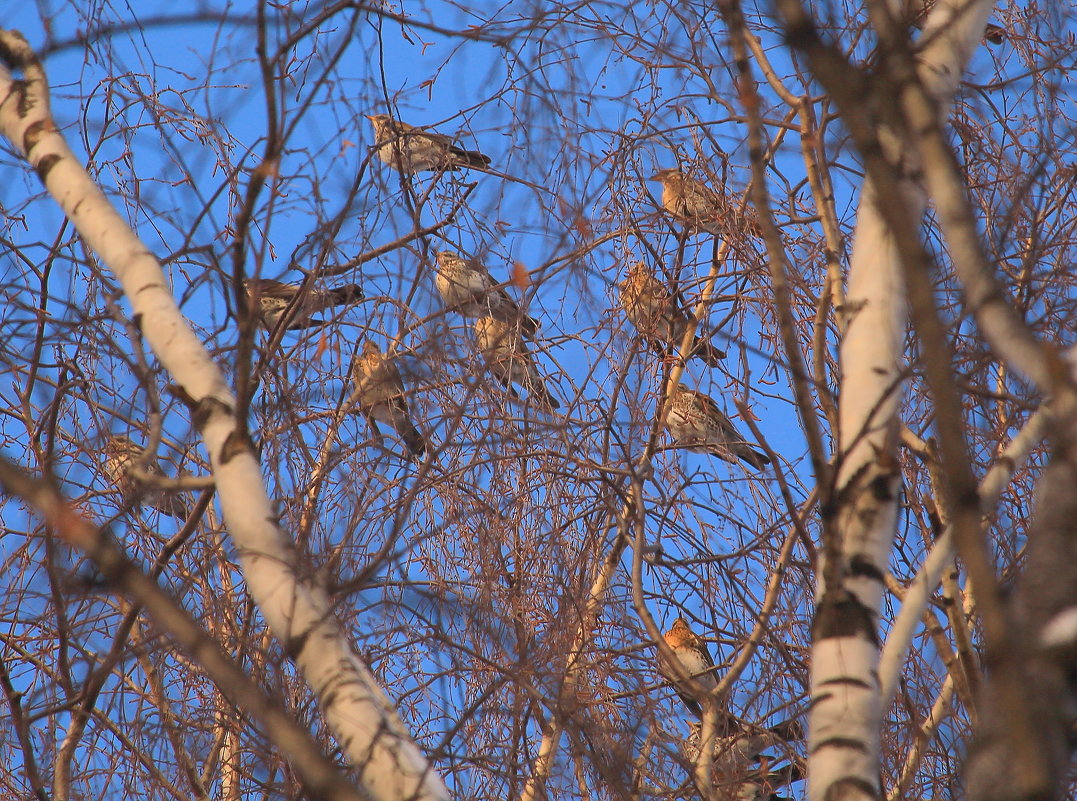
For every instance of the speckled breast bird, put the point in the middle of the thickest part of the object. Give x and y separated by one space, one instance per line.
270 298
410 149
690 200
509 360
658 317
696 423
380 393
121 454
696 660
468 287
700 207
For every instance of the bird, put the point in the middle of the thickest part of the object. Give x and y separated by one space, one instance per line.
700 207
695 422
658 317
410 149
509 359
380 393
270 298
695 659
467 286
121 457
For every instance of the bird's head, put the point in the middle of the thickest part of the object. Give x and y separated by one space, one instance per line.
119 443
668 174
383 124
121 449
445 257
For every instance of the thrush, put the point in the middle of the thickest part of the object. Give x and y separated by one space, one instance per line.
410 149
121 457
695 658
658 317
509 360
468 287
269 299
696 423
380 393
700 207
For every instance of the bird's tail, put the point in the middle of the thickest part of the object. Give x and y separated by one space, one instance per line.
413 439
303 322
475 158
746 453
706 351
175 506
528 325
537 387
163 501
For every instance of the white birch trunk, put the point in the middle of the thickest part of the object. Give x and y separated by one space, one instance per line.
847 705
361 716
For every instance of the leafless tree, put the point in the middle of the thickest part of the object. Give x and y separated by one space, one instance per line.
876 224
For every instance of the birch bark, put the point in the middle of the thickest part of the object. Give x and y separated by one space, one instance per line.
847 703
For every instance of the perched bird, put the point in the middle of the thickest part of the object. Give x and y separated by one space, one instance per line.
468 287
696 660
410 149
695 422
509 359
739 744
380 393
658 316
700 207
270 298
121 456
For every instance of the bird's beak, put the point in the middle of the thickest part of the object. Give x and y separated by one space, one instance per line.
655 177
369 117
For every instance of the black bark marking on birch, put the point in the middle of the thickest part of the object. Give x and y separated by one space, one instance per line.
22 89
862 567
882 487
44 167
205 409
237 443
8 56
850 788
34 133
183 395
847 681
848 743
294 646
840 614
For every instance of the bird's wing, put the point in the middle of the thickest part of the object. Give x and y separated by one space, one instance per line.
502 301
434 137
268 288
711 409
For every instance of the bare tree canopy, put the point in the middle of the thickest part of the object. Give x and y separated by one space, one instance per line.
538 401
